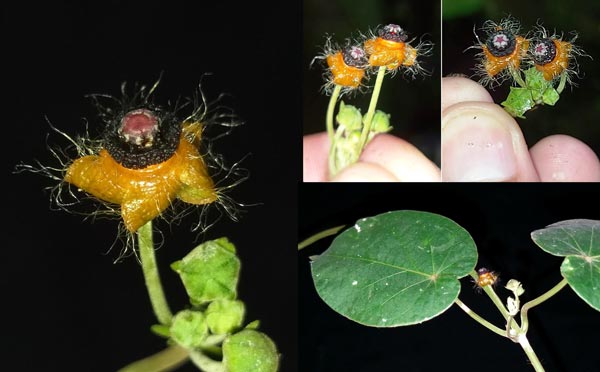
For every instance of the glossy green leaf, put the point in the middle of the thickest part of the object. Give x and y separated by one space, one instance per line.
579 242
210 271
397 268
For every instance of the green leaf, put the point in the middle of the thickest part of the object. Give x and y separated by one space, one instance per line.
250 351
518 102
397 268
189 328
210 271
224 316
579 242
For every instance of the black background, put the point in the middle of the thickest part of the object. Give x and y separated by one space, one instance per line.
500 217
65 305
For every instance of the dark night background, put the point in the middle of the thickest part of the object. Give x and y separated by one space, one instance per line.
578 111
500 217
414 105
65 305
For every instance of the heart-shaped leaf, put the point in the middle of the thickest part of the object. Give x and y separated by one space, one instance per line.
397 268
579 242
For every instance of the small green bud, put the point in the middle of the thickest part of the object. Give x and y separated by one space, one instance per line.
350 117
210 271
381 122
515 286
224 316
189 328
250 351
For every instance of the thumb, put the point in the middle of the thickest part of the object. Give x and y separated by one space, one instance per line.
482 142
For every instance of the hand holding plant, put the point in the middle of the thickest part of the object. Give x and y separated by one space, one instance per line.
384 51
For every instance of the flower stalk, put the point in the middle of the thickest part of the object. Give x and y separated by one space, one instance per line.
151 275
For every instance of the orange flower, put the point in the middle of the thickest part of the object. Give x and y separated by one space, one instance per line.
389 48
139 172
553 56
346 67
502 51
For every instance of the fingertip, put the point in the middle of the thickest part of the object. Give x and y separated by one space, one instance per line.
481 142
456 89
365 172
562 158
400 158
315 148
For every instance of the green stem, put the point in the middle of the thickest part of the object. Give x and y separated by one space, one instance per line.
489 290
538 300
150 269
516 74
165 360
330 111
493 296
364 136
479 319
333 160
535 362
563 82
318 236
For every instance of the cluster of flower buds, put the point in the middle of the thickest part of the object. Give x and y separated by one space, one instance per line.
387 46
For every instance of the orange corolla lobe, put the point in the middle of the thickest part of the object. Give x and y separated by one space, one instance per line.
144 193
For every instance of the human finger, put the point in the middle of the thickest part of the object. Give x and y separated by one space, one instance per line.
481 142
315 148
561 158
400 158
457 89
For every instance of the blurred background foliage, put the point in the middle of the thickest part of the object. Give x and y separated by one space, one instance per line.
414 105
578 111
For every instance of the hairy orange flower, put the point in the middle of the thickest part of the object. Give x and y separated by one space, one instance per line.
139 171
344 74
501 53
553 56
496 59
389 48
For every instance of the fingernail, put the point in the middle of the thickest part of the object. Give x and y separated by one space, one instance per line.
476 146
